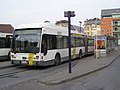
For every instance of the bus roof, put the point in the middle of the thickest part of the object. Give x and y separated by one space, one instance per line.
48 27
36 25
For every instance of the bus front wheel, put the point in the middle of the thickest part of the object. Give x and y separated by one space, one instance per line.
57 60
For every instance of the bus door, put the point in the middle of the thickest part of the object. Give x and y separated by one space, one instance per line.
86 45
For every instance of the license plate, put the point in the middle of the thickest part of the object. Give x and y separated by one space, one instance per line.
24 62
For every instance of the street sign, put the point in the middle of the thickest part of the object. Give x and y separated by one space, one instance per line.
69 14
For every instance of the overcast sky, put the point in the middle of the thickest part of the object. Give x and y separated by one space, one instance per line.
16 12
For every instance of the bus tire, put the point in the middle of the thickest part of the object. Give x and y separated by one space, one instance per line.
80 54
57 60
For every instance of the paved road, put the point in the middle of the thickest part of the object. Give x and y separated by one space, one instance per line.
26 73
105 79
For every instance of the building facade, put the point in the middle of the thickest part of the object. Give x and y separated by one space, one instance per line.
64 23
92 26
110 23
106 26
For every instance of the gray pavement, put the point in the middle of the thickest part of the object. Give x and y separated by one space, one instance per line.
5 64
83 67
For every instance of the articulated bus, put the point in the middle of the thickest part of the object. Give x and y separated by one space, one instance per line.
47 44
5 41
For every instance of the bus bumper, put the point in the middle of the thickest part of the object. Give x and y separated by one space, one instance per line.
34 63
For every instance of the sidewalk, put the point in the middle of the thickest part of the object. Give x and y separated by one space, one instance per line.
83 67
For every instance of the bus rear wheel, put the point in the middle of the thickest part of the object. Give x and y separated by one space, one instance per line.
57 60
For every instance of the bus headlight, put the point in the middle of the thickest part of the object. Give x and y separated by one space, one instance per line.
37 57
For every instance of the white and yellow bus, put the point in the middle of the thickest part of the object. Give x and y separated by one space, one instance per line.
47 44
5 41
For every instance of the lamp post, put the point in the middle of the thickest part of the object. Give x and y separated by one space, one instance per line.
80 26
69 14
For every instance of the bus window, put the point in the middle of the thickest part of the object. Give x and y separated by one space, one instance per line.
82 42
59 42
72 41
2 43
8 42
51 42
65 42
44 45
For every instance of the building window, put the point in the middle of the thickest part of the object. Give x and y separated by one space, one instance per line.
116 16
87 28
115 29
115 23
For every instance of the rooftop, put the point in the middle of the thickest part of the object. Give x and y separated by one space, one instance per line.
6 28
92 21
109 12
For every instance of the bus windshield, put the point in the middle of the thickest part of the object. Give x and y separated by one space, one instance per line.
26 41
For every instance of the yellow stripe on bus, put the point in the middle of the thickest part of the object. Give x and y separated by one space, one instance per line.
74 53
30 59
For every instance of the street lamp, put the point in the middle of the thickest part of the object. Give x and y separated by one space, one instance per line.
80 26
69 14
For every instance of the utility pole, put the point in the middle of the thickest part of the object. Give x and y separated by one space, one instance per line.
80 26
69 14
